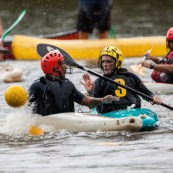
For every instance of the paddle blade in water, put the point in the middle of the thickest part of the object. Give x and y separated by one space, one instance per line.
36 131
137 69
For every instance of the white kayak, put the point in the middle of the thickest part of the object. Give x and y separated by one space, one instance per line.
85 122
131 119
160 88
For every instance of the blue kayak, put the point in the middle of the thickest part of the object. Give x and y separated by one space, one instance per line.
149 118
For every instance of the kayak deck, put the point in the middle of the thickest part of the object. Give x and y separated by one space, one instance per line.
149 118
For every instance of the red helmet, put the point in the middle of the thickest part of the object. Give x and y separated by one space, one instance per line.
169 35
51 63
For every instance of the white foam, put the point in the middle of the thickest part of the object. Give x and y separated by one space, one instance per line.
18 122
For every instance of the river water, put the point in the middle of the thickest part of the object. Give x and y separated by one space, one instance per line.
143 152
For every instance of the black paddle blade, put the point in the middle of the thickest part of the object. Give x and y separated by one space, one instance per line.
43 49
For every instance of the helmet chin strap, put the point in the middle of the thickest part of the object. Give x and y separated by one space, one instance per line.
57 71
114 71
59 77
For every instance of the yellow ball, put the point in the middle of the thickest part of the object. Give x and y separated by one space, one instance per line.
15 96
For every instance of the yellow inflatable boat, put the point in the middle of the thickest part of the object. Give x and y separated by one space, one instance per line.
24 47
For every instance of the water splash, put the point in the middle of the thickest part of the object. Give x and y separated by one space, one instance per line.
18 122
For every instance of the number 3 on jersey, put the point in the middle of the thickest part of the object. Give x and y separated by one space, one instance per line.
120 92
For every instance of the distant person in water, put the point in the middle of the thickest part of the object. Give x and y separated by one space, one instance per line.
162 69
94 14
110 62
54 93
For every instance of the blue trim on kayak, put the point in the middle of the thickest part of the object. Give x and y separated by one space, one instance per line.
149 118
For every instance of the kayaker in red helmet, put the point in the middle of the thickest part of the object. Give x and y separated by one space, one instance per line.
162 69
110 62
53 93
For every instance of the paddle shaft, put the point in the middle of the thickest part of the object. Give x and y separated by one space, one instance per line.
70 62
123 86
143 59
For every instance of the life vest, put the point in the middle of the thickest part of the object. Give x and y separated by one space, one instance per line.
49 102
127 98
161 76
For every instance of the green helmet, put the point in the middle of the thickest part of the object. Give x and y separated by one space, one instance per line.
113 52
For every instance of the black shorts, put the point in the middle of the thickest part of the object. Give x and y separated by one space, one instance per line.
90 18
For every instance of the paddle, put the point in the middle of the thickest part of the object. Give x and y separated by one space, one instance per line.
43 49
138 68
12 26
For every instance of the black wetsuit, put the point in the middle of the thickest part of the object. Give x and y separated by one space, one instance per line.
127 98
51 96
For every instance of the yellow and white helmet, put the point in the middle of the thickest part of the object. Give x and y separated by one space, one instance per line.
113 52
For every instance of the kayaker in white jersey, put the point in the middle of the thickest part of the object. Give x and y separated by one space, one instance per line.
110 62
162 69
53 93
